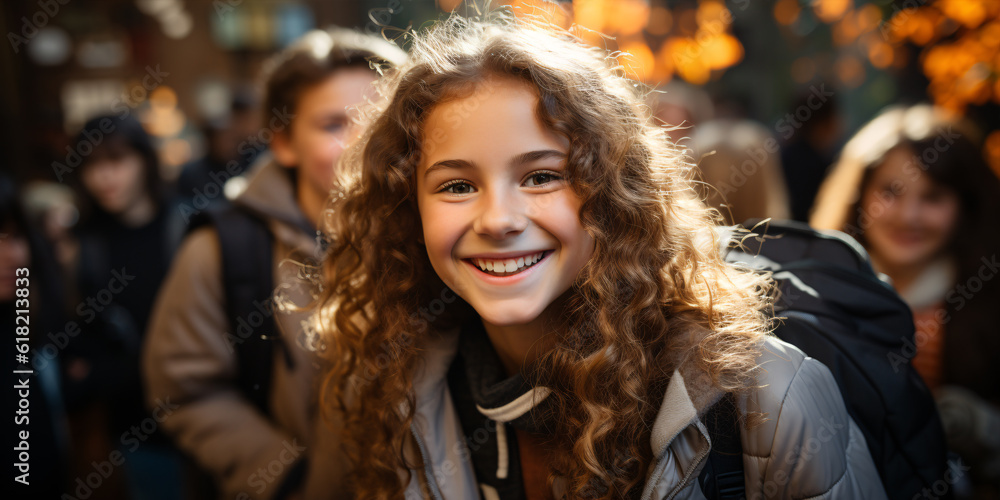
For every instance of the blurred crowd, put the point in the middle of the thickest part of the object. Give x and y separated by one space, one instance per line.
142 340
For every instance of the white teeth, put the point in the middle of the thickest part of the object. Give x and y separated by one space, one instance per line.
508 265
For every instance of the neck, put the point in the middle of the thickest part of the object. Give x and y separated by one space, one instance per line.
139 214
521 345
311 201
902 276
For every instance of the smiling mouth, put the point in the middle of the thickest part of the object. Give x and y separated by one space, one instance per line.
509 267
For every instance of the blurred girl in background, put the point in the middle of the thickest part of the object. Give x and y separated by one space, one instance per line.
914 189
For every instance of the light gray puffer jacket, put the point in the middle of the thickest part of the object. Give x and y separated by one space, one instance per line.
807 448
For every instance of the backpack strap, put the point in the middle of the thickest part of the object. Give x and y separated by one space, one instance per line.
722 476
248 283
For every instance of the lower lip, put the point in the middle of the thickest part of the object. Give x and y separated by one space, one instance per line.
905 240
513 278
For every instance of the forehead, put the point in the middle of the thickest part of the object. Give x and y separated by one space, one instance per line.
342 88
901 165
498 117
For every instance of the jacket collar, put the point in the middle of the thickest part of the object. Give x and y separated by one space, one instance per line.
270 195
688 396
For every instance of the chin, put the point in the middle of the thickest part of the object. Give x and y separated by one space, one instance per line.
507 314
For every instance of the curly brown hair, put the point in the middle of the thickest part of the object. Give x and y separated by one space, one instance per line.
656 294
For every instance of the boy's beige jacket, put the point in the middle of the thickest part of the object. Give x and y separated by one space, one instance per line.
189 361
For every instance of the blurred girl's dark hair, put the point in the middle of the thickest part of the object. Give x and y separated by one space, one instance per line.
947 151
114 137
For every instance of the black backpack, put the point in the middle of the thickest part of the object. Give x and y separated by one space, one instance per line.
839 312
247 266
246 246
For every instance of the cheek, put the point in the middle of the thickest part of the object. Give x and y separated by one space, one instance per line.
874 207
90 179
943 217
441 229
135 177
320 157
561 217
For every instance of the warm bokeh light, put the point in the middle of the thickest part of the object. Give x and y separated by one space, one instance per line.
850 71
970 13
829 11
636 59
627 17
448 5
660 20
786 12
960 41
693 43
880 53
163 98
552 12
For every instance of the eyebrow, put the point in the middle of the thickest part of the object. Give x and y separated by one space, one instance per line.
519 159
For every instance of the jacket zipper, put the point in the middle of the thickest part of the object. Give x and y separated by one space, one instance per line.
647 495
428 467
684 481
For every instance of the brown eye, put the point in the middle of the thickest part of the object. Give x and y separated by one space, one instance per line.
457 187
541 178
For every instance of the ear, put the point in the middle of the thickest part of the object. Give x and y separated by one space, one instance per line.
283 151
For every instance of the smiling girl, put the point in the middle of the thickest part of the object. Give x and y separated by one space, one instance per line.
525 297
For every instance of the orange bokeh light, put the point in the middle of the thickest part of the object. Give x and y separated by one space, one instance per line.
637 59
830 10
786 12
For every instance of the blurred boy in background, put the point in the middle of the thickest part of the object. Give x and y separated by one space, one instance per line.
241 373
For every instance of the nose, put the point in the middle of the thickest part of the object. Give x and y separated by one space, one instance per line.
909 209
501 216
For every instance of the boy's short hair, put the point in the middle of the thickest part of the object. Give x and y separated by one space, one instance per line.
316 56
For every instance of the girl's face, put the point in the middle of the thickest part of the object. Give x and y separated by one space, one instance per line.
912 218
116 183
500 221
321 127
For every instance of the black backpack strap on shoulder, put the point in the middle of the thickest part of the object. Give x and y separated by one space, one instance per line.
722 477
248 282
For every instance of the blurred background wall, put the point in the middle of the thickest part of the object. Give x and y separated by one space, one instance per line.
177 64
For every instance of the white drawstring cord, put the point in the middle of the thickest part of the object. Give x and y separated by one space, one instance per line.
502 458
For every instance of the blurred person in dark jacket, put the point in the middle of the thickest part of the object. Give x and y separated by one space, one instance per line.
912 186
809 147
32 303
232 145
126 239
